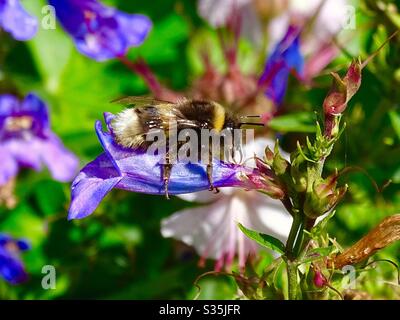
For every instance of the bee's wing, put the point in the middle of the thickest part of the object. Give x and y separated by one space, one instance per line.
139 101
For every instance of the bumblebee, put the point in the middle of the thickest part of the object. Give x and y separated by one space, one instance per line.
131 126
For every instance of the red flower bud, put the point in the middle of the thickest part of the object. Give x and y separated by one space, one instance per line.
343 90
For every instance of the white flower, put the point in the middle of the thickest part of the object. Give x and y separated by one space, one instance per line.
212 229
218 12
331 16
330 20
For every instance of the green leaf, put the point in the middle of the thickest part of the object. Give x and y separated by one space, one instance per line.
162 45
294 122
395 119
50 50
263 239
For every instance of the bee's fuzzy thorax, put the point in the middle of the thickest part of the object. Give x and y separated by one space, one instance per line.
126 128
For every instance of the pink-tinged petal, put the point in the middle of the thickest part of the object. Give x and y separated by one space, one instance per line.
317 62
212 230
92 184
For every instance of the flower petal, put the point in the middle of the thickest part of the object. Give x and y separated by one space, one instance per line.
35 107
14 19
218 12
135 27
200 226
24 152
143 172
8 105
11 268
62 163
91 185
8 168
284 58
101 32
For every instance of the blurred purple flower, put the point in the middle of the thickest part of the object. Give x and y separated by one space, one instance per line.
101 32
15 20
11 267
285 58
136 171
26 140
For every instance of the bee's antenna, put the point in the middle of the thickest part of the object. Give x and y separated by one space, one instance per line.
251 124
242 117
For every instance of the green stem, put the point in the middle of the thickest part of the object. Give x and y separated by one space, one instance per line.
296 235
291 268
294 245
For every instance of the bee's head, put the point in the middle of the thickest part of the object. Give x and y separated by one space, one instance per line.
231 122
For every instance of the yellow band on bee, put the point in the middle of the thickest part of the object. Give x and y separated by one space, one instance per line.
218 117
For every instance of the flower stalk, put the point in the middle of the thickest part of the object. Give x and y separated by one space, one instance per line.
307 195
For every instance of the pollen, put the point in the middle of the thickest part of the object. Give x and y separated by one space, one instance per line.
14 124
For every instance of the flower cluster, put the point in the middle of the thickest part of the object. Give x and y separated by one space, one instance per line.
11 267
26 140
101 32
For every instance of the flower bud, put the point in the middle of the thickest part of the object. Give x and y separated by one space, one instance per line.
343 90
265 184
269 156
280 165
298 172
319 279
323 197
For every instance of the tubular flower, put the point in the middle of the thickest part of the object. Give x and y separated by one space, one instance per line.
101 32
26 140
137 171
15 20
11 267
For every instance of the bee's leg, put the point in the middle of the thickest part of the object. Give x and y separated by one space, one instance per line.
209 174
166 175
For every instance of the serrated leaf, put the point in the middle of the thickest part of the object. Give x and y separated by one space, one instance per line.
264 240
294 122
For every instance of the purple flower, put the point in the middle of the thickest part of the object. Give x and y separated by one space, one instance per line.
26 140
11 267
285 58
136 171
15 20
101 32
